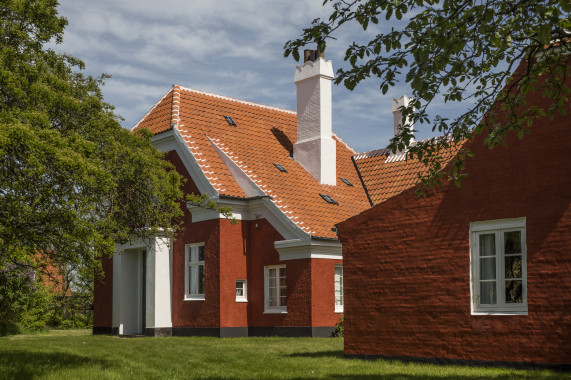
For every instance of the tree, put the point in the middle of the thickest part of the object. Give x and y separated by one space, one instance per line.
461 51
73 182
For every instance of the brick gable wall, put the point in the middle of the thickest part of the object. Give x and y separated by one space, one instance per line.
407 260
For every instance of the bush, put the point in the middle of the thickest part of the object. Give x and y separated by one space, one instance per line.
340 327
9 328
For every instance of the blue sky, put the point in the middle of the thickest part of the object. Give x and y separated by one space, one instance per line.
232 48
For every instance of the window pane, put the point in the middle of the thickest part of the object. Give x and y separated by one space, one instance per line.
201 253
201 279
239 289
488 293
488 268
283 300
488 245
192 279
514 291
273 296
193 254
513 267
512 242
338 286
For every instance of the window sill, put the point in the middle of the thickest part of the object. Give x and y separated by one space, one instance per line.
338 310
499 312
277 311
194 298
242 300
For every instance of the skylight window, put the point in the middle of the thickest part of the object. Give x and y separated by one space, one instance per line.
281 168
328 199
346 181
230 120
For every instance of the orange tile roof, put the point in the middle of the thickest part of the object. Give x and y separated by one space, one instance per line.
262 136
386 175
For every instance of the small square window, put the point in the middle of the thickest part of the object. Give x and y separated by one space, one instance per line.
241 291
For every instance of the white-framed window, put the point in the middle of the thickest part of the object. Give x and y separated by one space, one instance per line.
241 291
338 284
275 292
194 272
498 261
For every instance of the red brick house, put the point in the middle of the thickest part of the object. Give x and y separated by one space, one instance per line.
288 179
477 273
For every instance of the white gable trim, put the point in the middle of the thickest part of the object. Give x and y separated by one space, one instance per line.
294 249
248 186
172 140
253 209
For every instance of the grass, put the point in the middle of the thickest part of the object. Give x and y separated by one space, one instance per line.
77 354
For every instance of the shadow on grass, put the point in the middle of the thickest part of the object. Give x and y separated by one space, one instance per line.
22 364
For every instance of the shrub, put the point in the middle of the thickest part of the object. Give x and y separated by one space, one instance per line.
340 327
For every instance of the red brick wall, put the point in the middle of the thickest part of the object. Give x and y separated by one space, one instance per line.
407 261
195 313
232 268
323 292
261 253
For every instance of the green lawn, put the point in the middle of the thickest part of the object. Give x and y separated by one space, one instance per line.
79 355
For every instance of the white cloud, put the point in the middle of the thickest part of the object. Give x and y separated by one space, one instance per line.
234 48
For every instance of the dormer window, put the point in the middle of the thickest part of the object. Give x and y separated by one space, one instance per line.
280 168
230 120
328 199
346 181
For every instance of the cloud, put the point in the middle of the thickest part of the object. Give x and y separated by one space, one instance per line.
234 48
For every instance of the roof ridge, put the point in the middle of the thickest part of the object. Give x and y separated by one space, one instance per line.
344 143
175 106
372 153
235 100
151 110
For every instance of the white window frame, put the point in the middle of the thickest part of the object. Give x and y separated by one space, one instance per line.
244 296
497 227
267 308
338 292
187 269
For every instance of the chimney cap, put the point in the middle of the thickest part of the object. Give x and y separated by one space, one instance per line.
312 55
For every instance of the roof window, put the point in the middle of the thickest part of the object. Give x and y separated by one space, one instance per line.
328 199
346 181
230 120
281 168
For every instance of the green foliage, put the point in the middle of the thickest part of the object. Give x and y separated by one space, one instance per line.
73 182
340 327
23 301
458 51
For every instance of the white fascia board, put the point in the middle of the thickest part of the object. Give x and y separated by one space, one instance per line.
172 140
252 209
295 249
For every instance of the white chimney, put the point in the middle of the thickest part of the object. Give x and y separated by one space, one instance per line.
403 101
315 147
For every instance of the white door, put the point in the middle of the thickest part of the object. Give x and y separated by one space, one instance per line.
132 292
